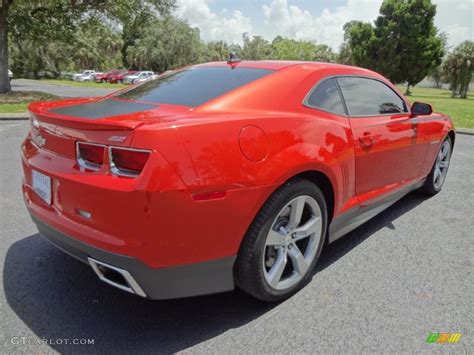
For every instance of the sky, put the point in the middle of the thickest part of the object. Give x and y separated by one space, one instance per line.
316 20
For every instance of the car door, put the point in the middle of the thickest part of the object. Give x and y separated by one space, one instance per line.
389 147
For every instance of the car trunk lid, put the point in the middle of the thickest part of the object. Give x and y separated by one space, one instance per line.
57 126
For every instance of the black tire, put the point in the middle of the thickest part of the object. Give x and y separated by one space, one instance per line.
429 187
249 274
103 81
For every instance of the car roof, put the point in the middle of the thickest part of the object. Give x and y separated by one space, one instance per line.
280 65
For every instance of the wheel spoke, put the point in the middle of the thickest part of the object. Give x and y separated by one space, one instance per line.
277 270
275 238
309 228
297 207
443 164
444 151
299 263
437 174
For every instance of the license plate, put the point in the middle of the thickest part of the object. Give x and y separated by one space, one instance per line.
42 186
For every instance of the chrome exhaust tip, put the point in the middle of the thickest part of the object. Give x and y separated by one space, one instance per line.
116 277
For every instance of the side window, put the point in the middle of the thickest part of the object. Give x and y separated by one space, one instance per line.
327 98
369 97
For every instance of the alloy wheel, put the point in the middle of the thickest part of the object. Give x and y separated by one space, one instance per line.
292 242
442 164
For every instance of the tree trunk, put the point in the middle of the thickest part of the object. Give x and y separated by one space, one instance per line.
408 92
4 80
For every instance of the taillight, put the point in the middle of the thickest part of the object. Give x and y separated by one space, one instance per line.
127 161
90 155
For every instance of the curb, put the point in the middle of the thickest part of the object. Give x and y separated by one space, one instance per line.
467 131
22 116
52 84
71 86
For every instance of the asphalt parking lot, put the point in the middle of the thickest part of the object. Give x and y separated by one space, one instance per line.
382 288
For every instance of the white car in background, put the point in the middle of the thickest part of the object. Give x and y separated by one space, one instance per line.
10 75
86 75
138 77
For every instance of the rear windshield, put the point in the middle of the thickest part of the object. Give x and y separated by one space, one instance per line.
193 86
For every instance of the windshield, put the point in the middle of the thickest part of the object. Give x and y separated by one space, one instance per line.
193 86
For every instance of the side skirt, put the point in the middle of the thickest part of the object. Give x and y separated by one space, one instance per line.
356 216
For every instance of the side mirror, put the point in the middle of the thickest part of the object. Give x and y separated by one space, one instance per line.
421 109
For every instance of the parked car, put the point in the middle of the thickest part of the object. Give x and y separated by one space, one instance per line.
225 175
145 78
66 75
10 75
104 77
82 76
138 77
88 77
119 77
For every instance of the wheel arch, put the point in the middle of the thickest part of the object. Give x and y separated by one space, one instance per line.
324 183
452 135
318 178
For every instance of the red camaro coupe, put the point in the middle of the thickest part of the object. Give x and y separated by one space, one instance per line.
229 174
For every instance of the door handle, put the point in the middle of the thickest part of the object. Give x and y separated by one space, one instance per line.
366 140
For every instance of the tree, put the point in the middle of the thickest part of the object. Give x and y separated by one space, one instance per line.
4 81
459 66
255 48
438 74
324 53
407 40
403 45
55 39
290 49
134 15
167 43
47 21
358 46
216 51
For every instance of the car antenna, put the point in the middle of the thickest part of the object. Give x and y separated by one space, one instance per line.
233 58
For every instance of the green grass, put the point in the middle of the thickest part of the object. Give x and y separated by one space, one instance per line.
82 84
460 110
18 101
13 108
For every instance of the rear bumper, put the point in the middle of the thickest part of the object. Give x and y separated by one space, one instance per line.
162 283
153 218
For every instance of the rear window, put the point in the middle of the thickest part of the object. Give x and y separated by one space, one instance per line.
327 98
193 86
